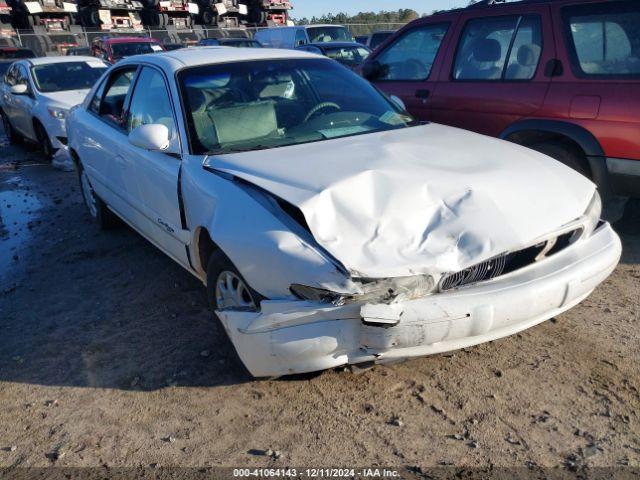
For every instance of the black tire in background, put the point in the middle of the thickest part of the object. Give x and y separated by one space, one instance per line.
565 153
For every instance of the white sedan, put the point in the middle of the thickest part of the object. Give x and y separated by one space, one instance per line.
328 226
37 93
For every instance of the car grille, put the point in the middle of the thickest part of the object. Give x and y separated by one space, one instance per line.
508 262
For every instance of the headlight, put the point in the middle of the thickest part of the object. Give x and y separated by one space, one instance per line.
593 214
58 113
373 291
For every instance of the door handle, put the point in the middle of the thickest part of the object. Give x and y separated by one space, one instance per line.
119 159
422 93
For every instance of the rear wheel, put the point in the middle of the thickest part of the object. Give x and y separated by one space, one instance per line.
98 210
566 153
13 136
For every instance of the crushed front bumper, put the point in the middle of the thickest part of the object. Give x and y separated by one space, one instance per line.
289 337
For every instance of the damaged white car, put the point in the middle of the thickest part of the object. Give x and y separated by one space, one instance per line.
328 227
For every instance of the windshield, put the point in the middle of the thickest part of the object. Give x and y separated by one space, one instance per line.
329 34
350 56
266 104
121 50
378 38
56 77
242 44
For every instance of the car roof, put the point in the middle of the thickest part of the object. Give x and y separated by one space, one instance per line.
61 59
197 56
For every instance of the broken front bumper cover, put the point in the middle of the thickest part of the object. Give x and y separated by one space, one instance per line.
289 337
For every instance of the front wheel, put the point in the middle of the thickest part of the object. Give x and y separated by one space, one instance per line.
44 141
226 289
98 210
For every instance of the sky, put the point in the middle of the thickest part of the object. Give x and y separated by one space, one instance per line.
309 8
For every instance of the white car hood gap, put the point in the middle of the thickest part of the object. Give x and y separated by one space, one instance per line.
428 199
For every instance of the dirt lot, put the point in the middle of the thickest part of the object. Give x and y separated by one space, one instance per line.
109 356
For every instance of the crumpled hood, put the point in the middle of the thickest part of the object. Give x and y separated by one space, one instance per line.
66 99
427 199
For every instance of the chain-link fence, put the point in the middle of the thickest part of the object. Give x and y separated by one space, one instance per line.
57 43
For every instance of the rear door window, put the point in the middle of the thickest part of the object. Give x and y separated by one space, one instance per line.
604 39
411 56
499 48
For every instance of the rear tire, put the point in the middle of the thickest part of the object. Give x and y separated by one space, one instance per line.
13 136
565 153
98 210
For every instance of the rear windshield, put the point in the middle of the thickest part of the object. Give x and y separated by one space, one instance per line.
121 50
348 55
17 53
605 39
57 77
329 34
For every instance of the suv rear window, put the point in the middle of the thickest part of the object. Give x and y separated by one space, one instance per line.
604 39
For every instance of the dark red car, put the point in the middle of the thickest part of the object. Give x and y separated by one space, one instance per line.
112 49
561 77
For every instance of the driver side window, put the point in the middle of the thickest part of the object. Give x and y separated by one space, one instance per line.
150 102
115 95
411 56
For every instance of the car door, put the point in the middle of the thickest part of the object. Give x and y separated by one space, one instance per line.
495 73
102 132
22 105
407 66
153 176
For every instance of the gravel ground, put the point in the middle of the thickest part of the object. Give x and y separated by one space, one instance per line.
109 357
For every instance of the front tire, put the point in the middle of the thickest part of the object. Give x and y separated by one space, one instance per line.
98 210
44 141
226 289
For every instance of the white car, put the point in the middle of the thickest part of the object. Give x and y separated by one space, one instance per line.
37 93
328 226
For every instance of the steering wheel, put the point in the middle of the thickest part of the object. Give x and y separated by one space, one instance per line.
319 107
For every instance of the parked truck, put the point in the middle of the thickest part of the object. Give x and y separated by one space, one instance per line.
110 15
167 14
269 12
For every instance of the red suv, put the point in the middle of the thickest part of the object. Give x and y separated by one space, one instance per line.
561 77
112 49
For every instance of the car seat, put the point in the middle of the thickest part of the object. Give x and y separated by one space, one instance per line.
484 50
526 62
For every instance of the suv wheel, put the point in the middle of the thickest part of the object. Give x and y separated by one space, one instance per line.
97 208
568 154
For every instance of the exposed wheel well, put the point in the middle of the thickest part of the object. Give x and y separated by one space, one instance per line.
74 156
205 247
528 138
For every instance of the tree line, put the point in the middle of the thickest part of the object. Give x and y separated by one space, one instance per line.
402 15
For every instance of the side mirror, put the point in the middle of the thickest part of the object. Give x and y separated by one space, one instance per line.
373 70
153 137
20 89
398 102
